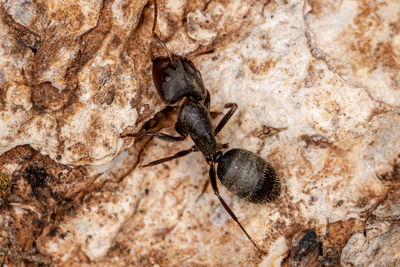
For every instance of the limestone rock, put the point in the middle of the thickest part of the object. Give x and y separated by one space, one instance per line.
317 88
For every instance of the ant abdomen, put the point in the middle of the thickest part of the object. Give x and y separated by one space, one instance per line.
177 78
248 176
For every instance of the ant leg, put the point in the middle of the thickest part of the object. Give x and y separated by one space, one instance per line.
220 146
214 114
207 101
153 32
203 191
162 136
225 119
175 156
233 216
191 56
207 104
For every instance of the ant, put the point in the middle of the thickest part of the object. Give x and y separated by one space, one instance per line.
242 172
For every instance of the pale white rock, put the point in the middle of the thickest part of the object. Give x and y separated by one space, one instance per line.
357 46
380 246
19 95
102 80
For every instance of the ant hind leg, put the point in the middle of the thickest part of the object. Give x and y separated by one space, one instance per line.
213 180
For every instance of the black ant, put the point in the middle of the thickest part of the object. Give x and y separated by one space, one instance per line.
242 172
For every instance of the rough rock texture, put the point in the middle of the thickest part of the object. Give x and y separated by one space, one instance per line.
67 83
379 244
317 86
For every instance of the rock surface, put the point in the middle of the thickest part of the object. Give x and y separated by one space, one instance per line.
318 92
379 244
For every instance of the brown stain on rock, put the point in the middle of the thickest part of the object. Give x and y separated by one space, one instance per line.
316 140
6 181
336 239
259 68
361 41
394 174
105 95
43 193
28 38
374 56
46 97
51 180
314 75
267 131
141 48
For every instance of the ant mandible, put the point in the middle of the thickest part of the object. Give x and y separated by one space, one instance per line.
242 172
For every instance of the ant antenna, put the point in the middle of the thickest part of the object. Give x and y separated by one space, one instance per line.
156 36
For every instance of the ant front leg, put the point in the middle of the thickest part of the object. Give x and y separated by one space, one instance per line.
225 119
162 136
213 179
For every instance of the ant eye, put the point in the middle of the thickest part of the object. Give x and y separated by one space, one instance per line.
167 78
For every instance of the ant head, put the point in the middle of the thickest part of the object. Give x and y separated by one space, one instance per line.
176 77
